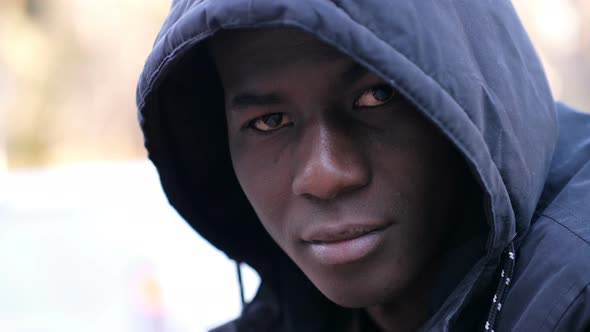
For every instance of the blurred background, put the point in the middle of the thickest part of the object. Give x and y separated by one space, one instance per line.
87 239
78 251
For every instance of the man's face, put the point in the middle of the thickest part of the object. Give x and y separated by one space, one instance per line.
344 174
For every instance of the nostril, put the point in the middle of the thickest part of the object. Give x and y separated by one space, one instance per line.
329 164
326 196
315 199
321 183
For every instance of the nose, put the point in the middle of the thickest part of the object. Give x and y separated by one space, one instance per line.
331 162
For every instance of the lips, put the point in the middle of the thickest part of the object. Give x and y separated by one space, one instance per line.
343 243
340 232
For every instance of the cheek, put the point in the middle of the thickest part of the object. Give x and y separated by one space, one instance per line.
421 172
267 187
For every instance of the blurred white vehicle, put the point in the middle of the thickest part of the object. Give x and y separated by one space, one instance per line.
96 247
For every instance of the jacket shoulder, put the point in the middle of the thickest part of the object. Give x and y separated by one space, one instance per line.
550 290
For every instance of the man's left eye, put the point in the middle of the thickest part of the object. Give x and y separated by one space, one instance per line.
375 96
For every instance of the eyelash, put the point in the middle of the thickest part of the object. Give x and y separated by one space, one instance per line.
251 125
392 94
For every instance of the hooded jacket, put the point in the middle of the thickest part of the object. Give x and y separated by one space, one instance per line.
467 66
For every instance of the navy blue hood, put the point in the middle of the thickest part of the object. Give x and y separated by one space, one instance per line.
467 66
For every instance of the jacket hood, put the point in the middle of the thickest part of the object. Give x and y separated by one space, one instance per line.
468 66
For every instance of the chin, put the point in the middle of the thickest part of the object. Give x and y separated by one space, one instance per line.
355 296
356 288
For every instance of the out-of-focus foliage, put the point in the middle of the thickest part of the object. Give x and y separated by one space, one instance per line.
560 29
68 70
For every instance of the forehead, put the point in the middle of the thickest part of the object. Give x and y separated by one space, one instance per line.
266 50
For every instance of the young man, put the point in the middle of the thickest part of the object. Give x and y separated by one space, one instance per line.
383 165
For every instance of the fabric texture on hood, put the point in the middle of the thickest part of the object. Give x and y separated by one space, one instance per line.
467 66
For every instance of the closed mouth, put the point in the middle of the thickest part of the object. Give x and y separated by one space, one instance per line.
340 232
337 244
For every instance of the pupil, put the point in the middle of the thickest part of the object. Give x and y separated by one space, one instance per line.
382 93
272 120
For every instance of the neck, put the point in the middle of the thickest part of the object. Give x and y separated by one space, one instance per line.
408 311
397 318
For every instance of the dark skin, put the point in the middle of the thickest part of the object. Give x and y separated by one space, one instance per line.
319 142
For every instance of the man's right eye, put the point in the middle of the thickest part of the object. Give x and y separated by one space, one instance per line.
375 96
270 122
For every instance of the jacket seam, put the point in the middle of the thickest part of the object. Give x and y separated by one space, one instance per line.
566 227
566 210
547 319
569 307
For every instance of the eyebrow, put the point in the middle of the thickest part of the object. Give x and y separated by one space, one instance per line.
241 101
354 72
244 100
